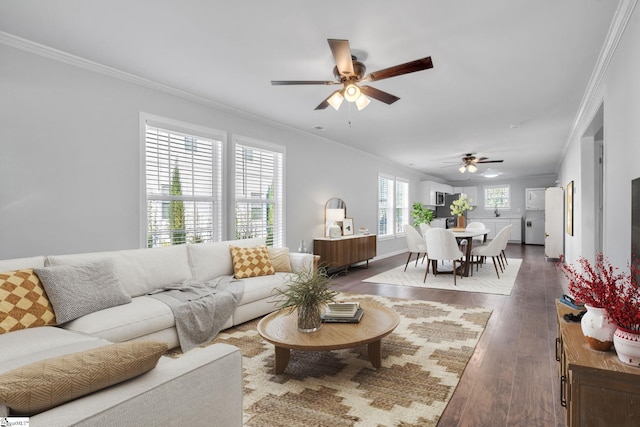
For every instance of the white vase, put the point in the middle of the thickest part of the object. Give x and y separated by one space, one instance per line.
597 328
627 344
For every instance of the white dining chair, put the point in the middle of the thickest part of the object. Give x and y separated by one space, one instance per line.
475 225
415 242
506 241
423 228
442 247
493 249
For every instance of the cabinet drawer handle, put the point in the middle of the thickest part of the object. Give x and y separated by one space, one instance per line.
558 348
563 396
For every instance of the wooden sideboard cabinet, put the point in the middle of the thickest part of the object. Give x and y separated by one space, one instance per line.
596 389
346 250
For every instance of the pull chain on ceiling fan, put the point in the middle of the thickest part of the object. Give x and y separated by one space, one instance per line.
348 72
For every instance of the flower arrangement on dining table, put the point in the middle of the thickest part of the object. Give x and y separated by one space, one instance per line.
602 285
461 205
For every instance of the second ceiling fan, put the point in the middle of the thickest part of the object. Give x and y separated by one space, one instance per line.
469 162
348 72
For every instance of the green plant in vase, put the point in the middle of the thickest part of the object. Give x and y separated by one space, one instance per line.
307 291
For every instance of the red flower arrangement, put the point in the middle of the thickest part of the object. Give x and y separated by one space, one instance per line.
601 285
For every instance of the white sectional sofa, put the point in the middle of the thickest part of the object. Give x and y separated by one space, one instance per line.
202 387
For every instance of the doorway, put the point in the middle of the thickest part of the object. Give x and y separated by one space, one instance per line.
592 191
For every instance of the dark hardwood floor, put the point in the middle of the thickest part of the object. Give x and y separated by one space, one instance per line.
511 380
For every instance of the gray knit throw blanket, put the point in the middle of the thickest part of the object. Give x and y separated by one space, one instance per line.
201 309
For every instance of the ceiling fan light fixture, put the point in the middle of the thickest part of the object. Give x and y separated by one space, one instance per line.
463 168
351 92
362 102
472 168
335 100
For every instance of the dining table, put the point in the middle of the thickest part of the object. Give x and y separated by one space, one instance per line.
468 234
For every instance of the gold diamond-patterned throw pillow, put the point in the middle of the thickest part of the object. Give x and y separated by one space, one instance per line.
251 262
23 302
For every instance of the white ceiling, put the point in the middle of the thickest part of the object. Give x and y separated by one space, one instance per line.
507 81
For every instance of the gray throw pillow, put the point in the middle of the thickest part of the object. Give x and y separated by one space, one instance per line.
77 290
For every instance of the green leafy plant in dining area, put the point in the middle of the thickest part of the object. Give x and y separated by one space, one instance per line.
421 215
461 205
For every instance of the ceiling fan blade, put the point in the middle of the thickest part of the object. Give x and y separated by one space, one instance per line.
398 70
342 55
301 82
490 161
324 104
374 93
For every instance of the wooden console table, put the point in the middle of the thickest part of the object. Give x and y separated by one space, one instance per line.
346 250
596 389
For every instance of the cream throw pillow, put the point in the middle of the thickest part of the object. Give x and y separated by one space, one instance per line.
48 383
280 259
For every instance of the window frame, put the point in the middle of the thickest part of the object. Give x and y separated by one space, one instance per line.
279 231
487 199
218 197
394 183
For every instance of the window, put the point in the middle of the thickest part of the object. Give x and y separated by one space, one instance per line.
259 192
402 205
183 184
393 205
497 197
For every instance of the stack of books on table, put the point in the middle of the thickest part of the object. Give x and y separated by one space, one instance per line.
342 312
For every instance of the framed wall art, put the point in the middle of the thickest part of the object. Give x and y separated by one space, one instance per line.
347 227
570 208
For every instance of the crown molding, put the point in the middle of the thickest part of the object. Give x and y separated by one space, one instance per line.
592 97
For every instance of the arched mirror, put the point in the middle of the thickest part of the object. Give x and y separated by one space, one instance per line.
335 211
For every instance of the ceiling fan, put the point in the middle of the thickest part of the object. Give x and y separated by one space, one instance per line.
348 72
469 162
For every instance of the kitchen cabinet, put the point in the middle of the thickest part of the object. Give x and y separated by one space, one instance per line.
428 190
534 199
471 192
346 250
494 225
596 389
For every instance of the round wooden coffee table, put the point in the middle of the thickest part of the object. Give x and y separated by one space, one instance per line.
281 329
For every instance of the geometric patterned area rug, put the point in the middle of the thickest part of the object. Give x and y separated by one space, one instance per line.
484 280
423 360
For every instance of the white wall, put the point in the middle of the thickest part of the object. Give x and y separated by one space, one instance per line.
619 90
69 161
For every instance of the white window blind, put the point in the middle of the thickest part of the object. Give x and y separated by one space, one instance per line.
402 205
385 206
184 187
259 192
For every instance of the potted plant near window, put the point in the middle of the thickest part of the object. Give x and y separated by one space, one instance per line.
459 207
421 215
612 299
307 292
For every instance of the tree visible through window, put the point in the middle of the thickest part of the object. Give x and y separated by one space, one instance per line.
183 183
259 192
497 197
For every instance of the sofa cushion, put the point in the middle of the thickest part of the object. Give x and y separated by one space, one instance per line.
23 302
211 260
145 315
251 262
45 384
140 271
76 290
263 287
280 259
21 263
